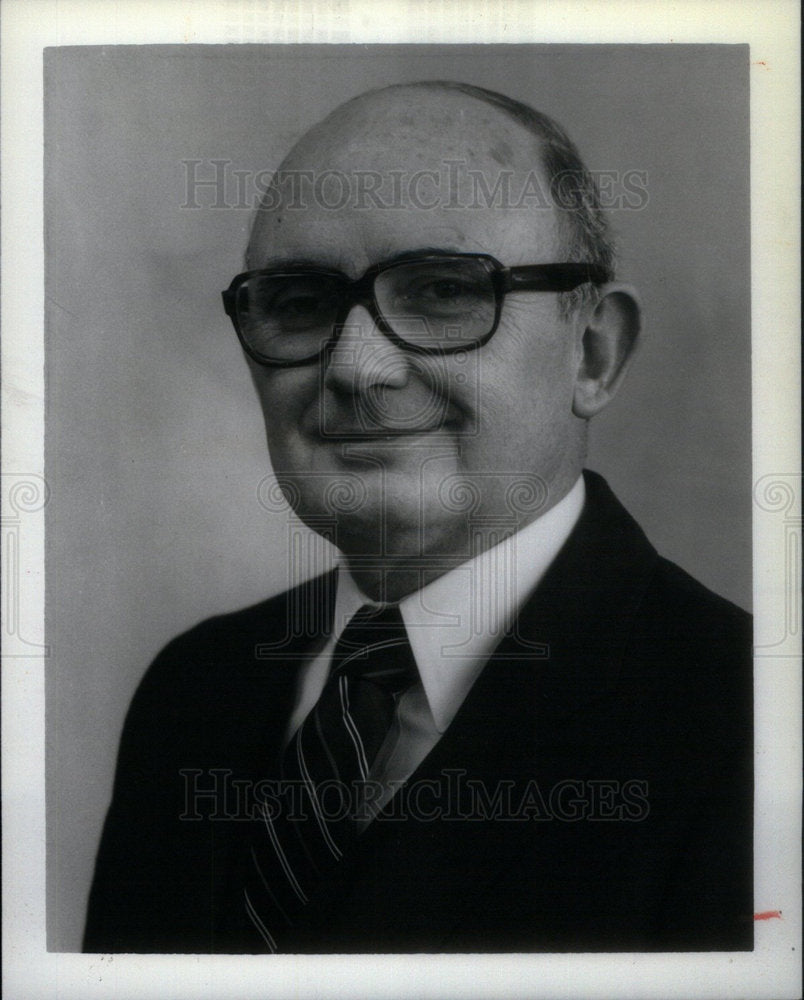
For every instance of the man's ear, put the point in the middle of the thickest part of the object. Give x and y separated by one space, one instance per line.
608 335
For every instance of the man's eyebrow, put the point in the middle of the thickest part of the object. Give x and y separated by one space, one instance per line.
289 263
427 251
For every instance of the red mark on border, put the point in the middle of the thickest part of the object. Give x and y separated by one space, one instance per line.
768 915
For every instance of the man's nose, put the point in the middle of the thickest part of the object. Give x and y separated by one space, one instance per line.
364 358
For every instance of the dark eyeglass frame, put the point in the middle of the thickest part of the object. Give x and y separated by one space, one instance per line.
562 277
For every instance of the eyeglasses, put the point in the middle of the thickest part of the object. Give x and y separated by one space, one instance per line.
430 303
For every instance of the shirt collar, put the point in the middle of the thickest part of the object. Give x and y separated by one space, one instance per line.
455 622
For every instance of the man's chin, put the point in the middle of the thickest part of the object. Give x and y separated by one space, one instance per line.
403 564
365 531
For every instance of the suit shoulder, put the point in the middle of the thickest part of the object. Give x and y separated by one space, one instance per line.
226 657
693 650
280 622
230 629
676 595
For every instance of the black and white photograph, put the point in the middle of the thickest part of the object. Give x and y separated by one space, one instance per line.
401 506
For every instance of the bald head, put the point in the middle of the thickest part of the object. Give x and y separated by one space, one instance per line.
431 116
444 144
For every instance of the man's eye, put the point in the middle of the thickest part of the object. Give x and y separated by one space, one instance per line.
441 292
447 289
301 305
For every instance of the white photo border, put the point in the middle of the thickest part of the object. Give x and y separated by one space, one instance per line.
771 28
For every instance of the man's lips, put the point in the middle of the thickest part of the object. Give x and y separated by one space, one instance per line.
378 434
357 423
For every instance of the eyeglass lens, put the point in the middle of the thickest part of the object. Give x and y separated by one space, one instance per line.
430 304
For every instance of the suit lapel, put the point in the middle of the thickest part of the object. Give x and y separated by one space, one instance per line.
288 635
565 648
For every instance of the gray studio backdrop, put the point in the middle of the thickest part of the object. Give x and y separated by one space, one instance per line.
154 446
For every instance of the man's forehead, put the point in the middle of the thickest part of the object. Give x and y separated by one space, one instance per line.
402 127
352 242
407 169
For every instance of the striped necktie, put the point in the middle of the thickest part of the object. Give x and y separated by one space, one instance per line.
311 825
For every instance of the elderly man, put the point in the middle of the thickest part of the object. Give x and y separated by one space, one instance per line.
504 723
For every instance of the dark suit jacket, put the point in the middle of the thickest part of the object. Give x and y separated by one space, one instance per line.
593 793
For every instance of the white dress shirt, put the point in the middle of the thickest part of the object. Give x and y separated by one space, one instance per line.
454 625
